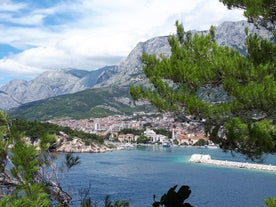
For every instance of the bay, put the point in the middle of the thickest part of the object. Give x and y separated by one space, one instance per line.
138 174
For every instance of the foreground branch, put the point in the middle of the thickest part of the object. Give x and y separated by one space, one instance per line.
58 194
55 191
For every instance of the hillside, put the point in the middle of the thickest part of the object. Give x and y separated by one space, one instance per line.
97 102
51 84
230 34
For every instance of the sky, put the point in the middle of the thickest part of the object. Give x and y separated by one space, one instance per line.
43 35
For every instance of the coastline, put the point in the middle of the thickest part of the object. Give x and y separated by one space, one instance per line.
78 146
206 159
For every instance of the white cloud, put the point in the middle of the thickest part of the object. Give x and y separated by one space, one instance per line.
97 33
33 19
8 6
9 65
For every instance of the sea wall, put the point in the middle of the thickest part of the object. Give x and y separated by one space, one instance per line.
206 159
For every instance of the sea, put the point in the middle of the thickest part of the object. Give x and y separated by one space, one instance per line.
136 175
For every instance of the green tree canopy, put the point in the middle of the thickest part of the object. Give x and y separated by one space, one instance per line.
27 175
244 120
259 12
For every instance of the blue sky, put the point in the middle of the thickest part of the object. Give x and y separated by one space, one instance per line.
41 35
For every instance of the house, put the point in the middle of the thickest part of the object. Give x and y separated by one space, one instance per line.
155 138
113 136
127 138
190 138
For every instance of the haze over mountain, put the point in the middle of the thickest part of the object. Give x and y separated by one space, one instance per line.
55 83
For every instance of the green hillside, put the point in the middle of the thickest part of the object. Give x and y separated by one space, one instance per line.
98 102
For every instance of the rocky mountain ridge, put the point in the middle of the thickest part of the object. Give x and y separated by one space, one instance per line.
55 83
231 34
51 84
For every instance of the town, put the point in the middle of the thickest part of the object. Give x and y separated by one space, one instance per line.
188 132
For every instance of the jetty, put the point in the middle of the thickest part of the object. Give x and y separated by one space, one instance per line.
206 159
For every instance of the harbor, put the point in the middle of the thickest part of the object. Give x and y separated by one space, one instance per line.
206 159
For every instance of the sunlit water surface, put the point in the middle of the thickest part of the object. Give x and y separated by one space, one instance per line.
138 174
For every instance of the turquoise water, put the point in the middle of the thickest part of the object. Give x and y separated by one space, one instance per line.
138 174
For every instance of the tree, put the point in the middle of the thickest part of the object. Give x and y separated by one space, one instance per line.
28 176
259 12
142 139
243 121
270 202
201 142
173 198
117 203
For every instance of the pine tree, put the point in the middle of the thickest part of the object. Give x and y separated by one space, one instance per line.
259 12
244 121
25 178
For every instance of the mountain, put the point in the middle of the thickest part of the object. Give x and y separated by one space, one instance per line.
51 84
130 71
231 34
7 100
97 102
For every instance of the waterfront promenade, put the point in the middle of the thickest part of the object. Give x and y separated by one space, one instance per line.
206 159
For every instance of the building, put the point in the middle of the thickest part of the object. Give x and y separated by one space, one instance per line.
155 138
127 138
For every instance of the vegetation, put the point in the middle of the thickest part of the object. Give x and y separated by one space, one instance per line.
97 102
245 120
164 132
201 142
117 203
27 175
142 140
132 131
173 198
270 202
259 12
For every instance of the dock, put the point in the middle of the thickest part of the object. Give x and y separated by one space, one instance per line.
206 159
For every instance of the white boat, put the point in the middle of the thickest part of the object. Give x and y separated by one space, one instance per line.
211 146
166 144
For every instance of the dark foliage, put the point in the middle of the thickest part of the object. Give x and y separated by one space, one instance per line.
173 198
131 131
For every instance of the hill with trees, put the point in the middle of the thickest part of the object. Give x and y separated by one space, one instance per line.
98 102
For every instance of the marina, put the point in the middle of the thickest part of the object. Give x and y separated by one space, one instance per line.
206 159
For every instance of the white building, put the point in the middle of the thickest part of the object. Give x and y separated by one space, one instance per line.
155 138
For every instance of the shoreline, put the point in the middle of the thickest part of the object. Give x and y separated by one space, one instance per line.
78 146
206 159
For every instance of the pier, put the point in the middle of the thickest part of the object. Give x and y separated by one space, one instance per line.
206 159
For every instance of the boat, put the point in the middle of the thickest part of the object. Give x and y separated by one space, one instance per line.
211 147
166 144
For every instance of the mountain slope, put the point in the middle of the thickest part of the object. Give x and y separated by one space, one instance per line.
231 34
111 89
85 104
51 84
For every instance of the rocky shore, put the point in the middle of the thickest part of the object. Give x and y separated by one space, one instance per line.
76 145
206 159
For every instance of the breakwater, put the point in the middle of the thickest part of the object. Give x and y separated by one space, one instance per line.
206 159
